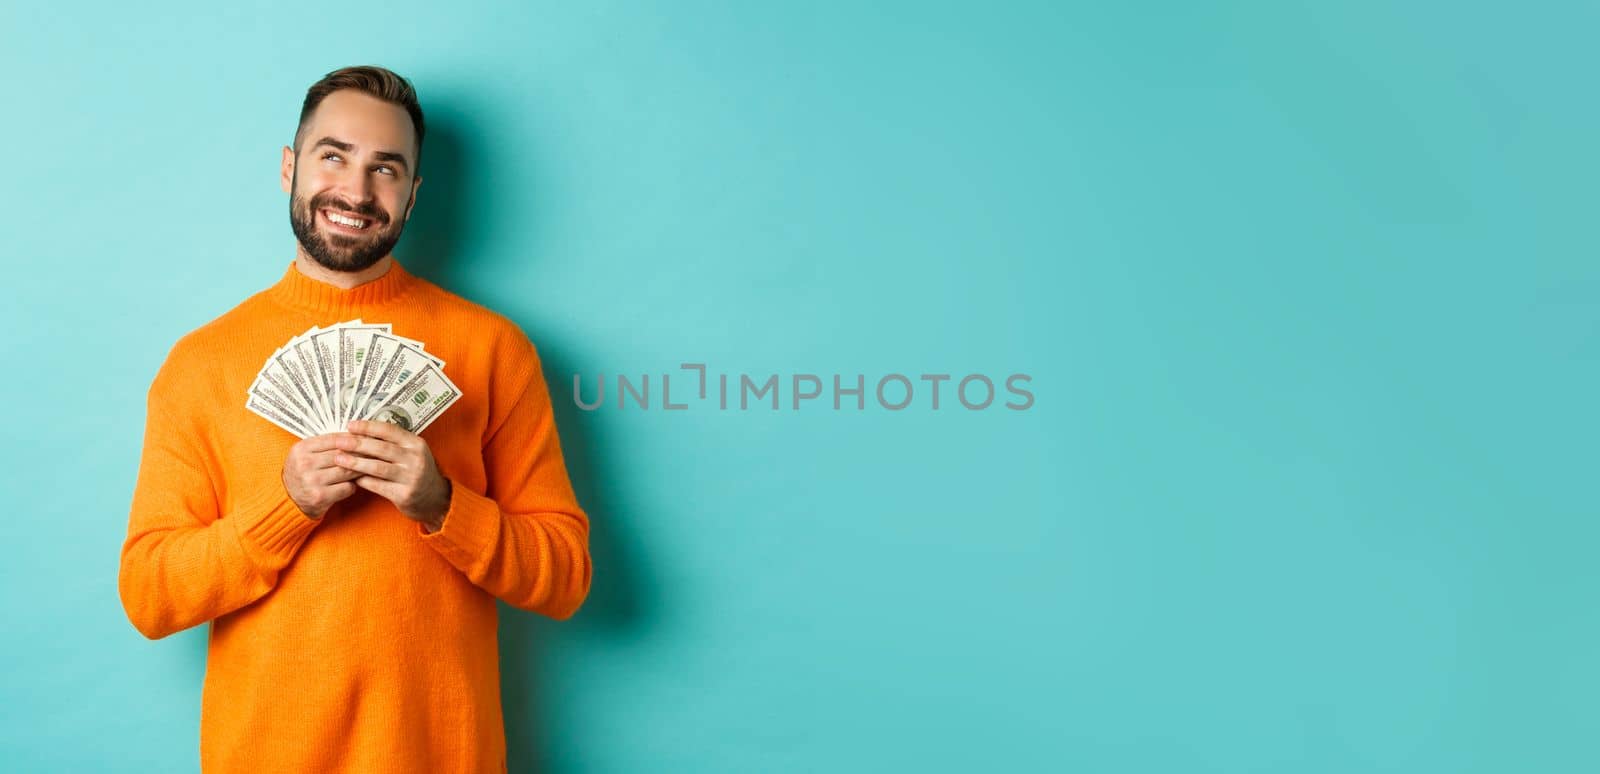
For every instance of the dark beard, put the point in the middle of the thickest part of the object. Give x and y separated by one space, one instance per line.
340 253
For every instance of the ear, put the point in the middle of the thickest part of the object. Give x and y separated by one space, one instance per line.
286 170
415 184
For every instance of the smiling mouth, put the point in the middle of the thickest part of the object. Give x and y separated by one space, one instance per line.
348 223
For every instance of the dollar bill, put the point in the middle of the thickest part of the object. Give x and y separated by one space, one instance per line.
277 414
288 361
354 337
327 375
325 350
273 378
404 360
305 357
419 401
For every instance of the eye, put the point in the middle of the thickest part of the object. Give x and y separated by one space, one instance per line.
386 168
330 155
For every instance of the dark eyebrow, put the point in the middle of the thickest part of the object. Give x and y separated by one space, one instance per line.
380 155
395 157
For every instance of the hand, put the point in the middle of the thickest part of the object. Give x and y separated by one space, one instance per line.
397 465
313 479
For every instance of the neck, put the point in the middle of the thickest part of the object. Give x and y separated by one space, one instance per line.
344 280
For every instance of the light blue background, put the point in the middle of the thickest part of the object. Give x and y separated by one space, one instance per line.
1308 294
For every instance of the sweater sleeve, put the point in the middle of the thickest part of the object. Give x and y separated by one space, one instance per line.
184 562
525 540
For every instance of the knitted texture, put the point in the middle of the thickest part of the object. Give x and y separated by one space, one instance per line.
357 642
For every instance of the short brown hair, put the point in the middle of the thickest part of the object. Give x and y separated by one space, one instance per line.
369 79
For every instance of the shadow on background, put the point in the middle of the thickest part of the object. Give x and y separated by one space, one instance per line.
438 245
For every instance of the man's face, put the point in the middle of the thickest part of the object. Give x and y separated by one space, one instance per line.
352 185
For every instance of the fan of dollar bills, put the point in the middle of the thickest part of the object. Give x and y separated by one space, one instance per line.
326 377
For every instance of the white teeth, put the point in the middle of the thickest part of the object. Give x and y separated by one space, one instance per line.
344 221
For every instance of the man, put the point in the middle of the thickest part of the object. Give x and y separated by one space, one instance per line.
350 578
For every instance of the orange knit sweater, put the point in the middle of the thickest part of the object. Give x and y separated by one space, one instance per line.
357 642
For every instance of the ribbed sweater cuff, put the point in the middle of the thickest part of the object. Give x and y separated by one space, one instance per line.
271 527
471 528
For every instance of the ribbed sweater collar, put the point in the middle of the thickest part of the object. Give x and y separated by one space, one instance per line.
300 292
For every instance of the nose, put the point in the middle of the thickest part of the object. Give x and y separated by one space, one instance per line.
355 187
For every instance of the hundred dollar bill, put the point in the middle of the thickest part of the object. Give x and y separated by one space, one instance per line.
265 395
403 361
306 357
268 393
419 401
354 338
380 346
420 348
325 351
275 414
326 376
273 377
298 380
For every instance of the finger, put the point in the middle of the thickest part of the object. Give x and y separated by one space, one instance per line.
333 475
388 431
340 491
368 446
388 490
322 459
316 443
372 467
322 498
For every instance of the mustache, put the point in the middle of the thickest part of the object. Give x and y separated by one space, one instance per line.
369 209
